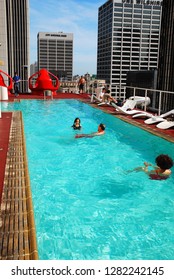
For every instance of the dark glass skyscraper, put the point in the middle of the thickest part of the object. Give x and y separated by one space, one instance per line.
128 39
166 55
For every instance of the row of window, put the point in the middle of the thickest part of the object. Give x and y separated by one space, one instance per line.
136 11
56 60
127 26
55 48
121 15
126 60
129 29
54 44
54 52
54 66
144 14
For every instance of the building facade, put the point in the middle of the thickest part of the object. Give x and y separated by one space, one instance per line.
14 38
128 39
166 56
55 53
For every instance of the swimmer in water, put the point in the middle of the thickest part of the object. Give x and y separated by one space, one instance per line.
101 131
76 124
162 169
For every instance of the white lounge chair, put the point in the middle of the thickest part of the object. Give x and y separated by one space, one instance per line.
141 100
107 101
127 108
104 103
157 119
97 96
165 124
143 115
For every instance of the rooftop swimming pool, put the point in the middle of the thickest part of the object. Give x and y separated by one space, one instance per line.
87 207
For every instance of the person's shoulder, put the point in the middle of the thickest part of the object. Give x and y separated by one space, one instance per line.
167 172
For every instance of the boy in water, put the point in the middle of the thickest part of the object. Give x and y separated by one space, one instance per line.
161 171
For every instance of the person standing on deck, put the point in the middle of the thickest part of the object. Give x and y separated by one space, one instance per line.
16 80
82 82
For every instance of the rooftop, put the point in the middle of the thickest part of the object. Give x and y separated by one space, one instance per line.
17 228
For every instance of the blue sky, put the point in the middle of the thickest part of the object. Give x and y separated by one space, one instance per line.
70 16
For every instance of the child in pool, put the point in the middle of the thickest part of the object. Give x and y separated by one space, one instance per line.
76 124
161 171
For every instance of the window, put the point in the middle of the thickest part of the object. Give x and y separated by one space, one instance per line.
118 15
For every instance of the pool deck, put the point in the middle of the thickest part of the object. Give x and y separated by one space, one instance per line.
17 227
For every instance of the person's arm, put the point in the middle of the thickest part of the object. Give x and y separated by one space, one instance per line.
89 135
84 136
153 171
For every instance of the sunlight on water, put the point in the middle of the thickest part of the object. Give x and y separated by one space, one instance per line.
86 205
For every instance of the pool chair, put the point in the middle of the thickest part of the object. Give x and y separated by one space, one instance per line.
96 97
104 103
127 108
165 124
143 115
158 119
141 100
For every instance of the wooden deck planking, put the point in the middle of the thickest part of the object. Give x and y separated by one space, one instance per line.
17 230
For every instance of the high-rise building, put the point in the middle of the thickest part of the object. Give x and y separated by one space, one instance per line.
128 38
166 56
165 81
55 53
14 38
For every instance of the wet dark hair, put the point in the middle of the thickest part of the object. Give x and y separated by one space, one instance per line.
74 124
102 126
76 120
164 161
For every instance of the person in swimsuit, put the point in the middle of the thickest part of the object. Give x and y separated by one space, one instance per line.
76 124
101 131
161 171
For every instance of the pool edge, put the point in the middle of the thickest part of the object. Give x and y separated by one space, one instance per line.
17 226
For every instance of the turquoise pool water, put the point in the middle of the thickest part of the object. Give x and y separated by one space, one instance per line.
86 206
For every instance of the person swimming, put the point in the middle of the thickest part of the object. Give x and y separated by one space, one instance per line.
76 124
101 131
161 171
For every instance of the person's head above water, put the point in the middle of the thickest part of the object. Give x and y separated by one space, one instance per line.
101 127
76 124
164 162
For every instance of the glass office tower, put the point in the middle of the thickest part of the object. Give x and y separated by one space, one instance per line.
128 38
166 57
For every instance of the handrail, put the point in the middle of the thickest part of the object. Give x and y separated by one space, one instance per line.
158 102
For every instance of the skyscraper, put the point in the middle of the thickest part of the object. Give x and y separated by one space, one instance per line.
166 56
165 80
128 38
55 53
14 37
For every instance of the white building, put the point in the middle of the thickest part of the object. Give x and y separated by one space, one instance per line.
55 53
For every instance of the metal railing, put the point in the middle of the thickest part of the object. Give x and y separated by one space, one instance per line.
161 101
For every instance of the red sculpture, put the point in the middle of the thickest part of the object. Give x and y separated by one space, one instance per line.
43 80
10 81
